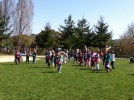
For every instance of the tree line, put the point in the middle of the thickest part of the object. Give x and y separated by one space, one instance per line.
73 36
16 31
16 25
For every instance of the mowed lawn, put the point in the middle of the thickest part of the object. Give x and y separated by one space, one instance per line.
37 82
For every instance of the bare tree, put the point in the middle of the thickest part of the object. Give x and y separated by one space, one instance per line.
23 17
7 7
130 30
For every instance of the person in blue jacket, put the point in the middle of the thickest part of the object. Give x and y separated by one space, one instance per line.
108 60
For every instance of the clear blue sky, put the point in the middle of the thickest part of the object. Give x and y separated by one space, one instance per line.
118 14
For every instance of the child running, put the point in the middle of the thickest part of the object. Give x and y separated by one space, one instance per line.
93 59
112 59
97 61
60 61
107 64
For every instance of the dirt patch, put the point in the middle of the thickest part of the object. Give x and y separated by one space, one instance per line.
11 58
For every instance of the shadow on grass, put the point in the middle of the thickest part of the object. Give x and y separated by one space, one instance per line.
12 64
50 72
82 68
131 74
75 65
8 64
38 67
97 71
90 70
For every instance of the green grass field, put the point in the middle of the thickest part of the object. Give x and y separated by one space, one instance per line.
37 82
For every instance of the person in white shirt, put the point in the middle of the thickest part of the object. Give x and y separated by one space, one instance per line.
112 59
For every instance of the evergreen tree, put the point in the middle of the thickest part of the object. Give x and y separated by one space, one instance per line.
83 32
47 38
68 32
5 30
102 36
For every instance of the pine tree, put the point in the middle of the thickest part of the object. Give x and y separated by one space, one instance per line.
5 30
68 32
102 36
47 38
83 32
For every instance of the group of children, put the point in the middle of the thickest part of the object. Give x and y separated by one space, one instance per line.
89 58
93 58
55 58
18 56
